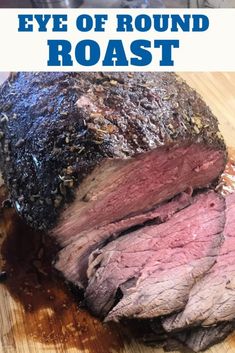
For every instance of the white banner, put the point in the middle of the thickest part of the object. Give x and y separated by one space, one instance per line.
117 40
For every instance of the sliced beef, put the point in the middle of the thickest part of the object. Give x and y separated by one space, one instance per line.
73 259
82 151
212 299
150 272
199 339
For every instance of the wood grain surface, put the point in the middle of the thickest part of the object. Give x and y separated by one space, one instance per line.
59 326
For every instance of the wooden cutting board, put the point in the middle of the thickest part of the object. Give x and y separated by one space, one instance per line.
37 314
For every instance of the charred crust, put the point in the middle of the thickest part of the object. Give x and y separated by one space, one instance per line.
56 127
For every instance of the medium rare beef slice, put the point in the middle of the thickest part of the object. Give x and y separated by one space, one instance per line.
150 272
212 299
82 150
73 259
200 338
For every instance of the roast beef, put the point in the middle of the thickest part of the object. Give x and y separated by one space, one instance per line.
153 269
195 335
83 151
212 299
75 271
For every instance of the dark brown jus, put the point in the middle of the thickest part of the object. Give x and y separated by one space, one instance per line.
27 255
150 272
74 144
30 279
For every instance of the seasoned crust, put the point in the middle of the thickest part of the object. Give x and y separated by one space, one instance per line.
56 127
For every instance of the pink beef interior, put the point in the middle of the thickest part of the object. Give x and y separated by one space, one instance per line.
121 189
212 299
157 262
88 241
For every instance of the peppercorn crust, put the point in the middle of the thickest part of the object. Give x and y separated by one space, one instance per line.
55 128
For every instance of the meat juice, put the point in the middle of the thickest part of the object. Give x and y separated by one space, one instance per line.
27 273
